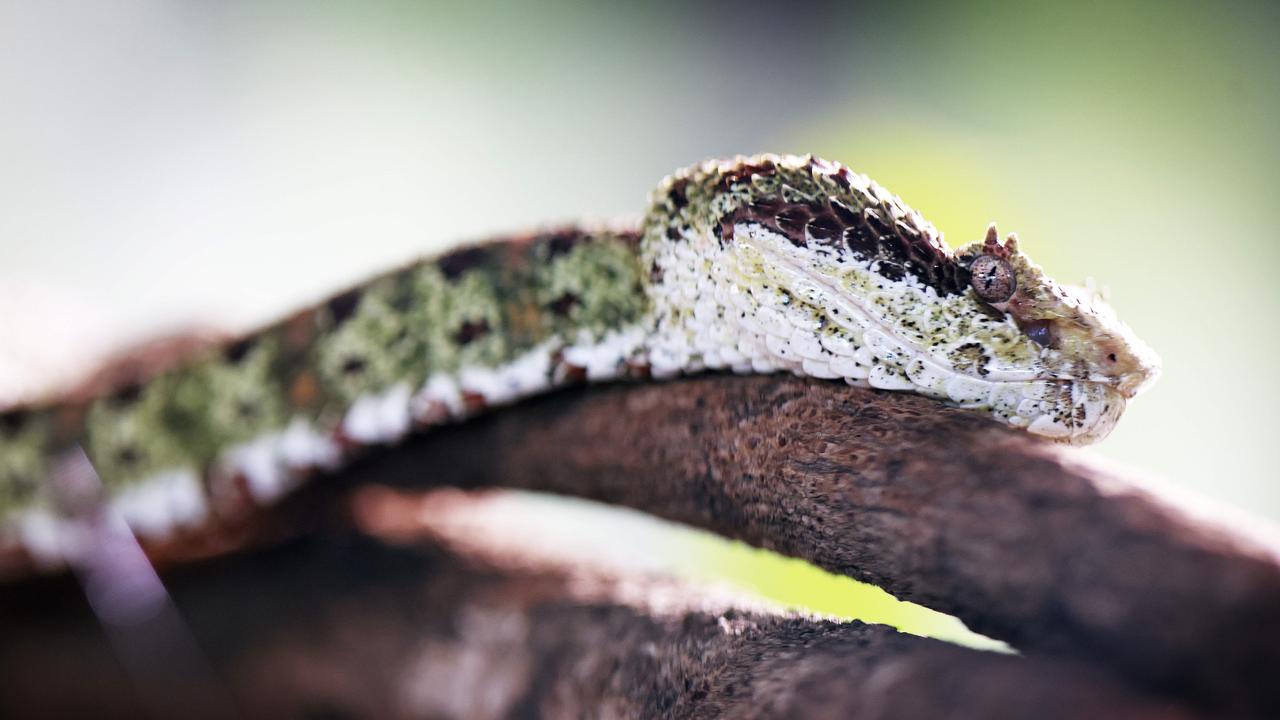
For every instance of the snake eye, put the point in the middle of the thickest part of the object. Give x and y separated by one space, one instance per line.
992 279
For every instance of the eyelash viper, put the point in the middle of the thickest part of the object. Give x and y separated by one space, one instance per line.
749 265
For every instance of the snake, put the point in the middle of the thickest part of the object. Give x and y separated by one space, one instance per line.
746 265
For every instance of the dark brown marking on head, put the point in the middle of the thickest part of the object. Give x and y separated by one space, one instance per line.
792 220
953 276
744 171
891 270
992 278
860 241
471 331
763 208
824 228
894 246
453 265
563 304
843 227
846 215
342 307
871 216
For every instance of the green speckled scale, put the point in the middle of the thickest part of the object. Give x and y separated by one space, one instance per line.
187 435
752 265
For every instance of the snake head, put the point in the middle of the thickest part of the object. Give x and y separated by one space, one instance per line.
1079 334
795 263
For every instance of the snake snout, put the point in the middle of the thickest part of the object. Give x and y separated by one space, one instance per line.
1135 383
1139 370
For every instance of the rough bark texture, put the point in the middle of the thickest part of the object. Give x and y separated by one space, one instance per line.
341 627
1026 541
1115 592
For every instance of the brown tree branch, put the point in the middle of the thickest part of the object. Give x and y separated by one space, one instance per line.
338 626
1025 541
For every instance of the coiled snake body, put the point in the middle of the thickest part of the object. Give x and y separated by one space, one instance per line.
756 264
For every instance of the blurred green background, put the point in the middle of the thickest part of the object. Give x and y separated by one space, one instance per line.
163 163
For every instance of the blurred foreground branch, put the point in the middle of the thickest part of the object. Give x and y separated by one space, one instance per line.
340 627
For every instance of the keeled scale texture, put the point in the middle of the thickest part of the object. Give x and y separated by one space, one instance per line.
434 342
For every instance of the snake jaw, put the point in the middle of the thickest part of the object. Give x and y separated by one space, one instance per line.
1097 408
1079 412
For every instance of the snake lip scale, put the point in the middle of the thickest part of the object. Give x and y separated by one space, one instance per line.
751 265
